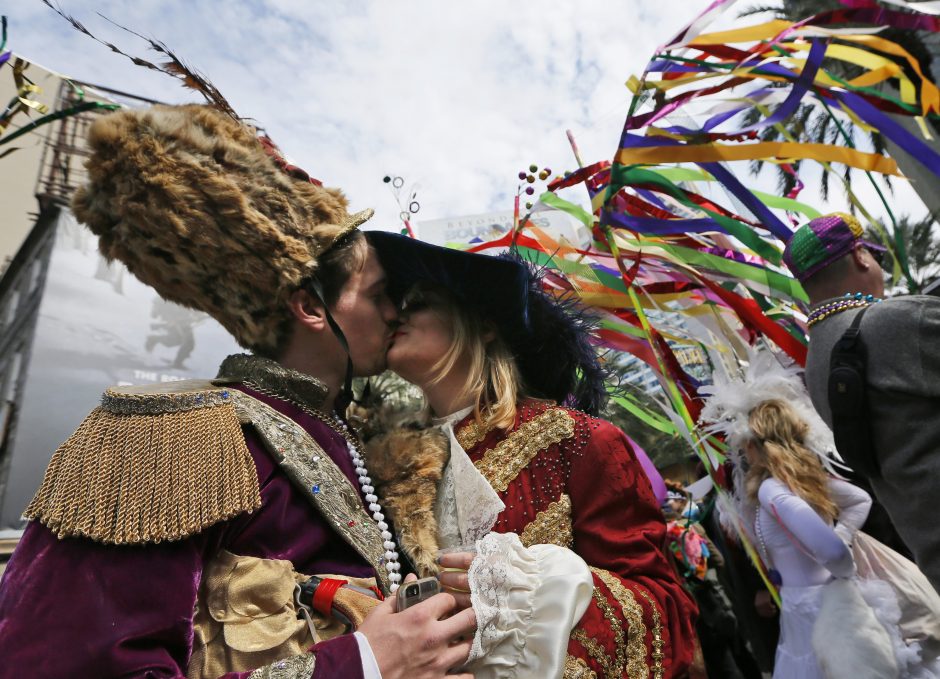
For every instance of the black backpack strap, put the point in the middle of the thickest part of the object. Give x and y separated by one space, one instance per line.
848 400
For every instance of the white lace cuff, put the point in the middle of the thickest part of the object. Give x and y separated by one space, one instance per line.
526 601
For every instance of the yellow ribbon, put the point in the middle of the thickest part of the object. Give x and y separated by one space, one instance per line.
712 153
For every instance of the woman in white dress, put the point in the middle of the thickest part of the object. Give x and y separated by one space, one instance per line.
804 523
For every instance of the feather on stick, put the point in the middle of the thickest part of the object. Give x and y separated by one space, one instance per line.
174 66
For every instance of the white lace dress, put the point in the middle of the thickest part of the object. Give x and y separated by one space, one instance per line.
527 600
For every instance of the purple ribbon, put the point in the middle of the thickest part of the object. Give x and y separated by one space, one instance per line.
752 202
663 227
920 151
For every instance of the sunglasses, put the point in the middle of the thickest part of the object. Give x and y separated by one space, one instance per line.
418 299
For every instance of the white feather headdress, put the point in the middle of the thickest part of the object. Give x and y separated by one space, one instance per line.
730 401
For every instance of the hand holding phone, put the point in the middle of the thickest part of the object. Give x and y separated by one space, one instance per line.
411 593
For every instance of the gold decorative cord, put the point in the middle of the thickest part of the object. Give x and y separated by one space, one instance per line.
633 614
503 462
296 667
551 526
576 668
613 668
658 642
472 433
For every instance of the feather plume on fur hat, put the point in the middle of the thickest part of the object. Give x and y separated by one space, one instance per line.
188 198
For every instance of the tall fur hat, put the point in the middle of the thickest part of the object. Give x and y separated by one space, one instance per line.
189 199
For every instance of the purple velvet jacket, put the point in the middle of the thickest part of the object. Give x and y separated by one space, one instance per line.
76 608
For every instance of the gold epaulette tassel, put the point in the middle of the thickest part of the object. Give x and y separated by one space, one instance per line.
146 477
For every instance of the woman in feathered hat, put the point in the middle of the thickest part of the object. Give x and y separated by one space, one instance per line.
550 497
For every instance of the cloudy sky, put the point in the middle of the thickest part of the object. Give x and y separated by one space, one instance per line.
454 97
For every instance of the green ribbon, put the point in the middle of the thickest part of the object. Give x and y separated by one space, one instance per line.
775 281
683 174
626 175
58 115
576 211
654 420
573 268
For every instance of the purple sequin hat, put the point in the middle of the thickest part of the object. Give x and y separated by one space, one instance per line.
822 241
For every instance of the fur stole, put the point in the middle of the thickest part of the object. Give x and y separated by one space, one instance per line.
406 459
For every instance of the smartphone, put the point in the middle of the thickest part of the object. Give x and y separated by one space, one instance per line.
411 593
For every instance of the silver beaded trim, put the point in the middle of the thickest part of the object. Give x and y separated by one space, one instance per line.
120 403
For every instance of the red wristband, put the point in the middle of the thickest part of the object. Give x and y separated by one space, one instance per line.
324 594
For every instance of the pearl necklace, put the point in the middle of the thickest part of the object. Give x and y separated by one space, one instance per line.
335 423
365 482
772 573
850 301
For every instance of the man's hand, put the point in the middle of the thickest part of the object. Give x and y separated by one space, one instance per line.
456 582
421 642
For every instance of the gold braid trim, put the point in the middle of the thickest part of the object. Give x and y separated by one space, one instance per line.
576 668
472 433
149 467
296 667
633 614
551 526
502 463
613 668
658 642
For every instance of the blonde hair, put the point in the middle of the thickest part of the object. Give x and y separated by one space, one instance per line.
779 434
493 378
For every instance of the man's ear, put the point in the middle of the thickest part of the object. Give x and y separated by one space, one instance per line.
308 310
862 262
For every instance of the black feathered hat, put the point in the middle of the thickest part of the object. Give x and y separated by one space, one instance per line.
550 338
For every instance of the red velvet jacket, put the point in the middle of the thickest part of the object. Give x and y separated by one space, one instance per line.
570 479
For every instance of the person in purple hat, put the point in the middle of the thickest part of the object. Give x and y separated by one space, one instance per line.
895 441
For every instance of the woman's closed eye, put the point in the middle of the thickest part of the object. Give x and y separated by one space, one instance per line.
410 306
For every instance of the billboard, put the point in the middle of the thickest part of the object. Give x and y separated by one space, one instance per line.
97 326
492 225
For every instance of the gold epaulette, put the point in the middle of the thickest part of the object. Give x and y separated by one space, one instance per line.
151 463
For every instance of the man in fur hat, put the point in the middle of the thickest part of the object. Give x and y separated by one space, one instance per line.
177 532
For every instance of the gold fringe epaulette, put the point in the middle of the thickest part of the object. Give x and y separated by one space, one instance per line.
150 464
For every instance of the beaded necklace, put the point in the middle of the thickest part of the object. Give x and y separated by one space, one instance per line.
850 301
335 423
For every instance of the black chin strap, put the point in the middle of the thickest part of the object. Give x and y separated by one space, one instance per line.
338 331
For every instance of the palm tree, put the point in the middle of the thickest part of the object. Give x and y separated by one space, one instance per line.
923 253
811 124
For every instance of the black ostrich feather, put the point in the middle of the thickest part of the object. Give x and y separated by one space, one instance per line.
560 361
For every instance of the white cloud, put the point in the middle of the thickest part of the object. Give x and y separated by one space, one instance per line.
456 97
